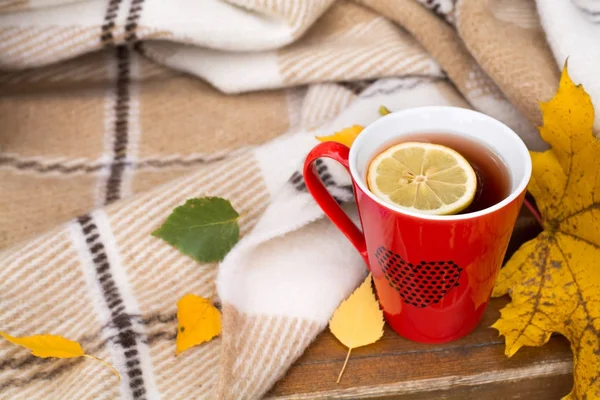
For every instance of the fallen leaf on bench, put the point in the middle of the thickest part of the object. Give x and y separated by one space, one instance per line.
358 321
554 279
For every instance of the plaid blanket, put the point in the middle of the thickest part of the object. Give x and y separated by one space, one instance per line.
113 112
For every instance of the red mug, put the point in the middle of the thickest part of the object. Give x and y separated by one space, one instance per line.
433 274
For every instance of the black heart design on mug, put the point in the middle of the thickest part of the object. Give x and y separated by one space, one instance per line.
422 284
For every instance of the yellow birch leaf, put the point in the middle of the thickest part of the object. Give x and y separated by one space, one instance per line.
198 321
52 346
45 346
554 279
383 110
346 136
358 321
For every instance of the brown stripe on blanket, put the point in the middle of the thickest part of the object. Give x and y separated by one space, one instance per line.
24 164
114 179
133 18
357 87
108 26
64 366
159 318
122 105
113 185
38 166
127 336
404 83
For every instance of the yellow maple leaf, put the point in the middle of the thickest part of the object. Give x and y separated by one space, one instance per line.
346 136
358 321
554 279
198 321
52 346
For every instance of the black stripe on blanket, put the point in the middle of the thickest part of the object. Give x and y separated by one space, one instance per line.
357 87
108 26
438 7
121 137
113 183
122 104
126 336
92 167
390 86
341 193
135 11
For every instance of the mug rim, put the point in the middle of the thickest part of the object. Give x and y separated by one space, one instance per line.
381 122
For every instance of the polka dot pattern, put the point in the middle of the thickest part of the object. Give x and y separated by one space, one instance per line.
419 284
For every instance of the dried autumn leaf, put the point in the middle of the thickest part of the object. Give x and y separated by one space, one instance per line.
198 321
346 136
554 279
45 346
52 346
358 321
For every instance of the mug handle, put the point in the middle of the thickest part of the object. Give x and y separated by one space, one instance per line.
331 208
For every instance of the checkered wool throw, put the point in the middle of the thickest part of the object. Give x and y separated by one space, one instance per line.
113 112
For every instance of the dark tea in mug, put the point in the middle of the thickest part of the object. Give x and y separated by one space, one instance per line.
493 179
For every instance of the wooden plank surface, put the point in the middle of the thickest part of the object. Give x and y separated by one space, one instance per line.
474 367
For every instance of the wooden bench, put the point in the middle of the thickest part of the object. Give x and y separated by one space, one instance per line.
474 367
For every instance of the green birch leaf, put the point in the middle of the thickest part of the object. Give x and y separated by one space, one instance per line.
204 229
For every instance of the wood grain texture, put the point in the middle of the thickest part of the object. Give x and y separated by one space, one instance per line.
473 367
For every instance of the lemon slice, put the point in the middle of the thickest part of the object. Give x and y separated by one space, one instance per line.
423 177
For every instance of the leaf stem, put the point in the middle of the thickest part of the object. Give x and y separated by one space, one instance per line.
533 211
105 363
344 366
214 291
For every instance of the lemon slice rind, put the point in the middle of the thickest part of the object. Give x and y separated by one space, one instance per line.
424 178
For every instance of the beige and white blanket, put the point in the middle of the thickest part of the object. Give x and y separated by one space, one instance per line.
113 112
